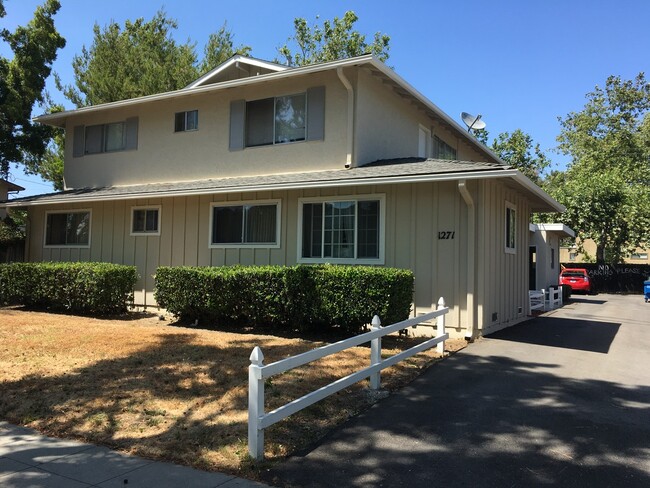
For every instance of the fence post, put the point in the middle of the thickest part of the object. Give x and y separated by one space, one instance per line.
255 405
375 355
440 326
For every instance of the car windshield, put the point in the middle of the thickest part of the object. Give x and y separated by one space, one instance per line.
573 275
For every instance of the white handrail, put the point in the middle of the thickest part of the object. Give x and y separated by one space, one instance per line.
258 372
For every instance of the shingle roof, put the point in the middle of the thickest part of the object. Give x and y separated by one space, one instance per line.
384 171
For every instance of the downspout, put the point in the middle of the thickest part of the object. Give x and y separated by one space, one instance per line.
348 87
470 333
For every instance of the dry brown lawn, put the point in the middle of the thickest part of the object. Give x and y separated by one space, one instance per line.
141 386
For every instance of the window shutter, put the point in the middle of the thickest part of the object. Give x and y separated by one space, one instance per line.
78 141
237 116
316 113
132 133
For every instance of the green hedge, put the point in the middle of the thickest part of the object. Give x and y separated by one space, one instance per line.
95 288
302 297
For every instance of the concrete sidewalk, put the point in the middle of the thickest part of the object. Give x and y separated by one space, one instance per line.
560 400
31 460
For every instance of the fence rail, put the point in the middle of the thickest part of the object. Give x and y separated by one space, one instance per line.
258 420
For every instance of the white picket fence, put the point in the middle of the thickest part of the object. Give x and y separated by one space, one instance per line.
258 420
545 300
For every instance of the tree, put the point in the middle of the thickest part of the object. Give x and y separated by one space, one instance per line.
336 39
519 151
22 83
219 48
141 59
606 185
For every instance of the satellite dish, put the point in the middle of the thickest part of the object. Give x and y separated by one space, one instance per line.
472 122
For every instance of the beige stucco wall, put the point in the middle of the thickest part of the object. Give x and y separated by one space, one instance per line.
387 126
590 248
164 156
414 215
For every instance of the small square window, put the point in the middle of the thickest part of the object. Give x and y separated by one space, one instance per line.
186 121
145 221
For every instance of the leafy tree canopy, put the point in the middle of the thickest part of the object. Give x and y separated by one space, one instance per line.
605 188
142 58
22 84
518 150
335 39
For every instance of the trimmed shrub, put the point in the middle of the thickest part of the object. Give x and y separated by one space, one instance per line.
297 297
90 288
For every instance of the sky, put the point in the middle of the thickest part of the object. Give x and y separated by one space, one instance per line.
518 63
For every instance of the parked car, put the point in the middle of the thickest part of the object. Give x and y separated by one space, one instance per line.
577 279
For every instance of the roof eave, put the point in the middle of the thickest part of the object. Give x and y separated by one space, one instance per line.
376 180
58 119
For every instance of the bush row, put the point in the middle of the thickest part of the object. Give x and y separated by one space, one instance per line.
96 288
297 297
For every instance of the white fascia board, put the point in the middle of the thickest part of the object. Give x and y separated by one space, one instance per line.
558 228
58 119
434 108
233 60
524 181
378 180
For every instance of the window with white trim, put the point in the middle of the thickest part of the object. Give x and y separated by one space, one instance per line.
186 121
276 120
341 230
145 221
67 229
511 228
424 142
255 224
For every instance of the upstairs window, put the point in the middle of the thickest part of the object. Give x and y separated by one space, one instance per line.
145 221
276 120
186 121
103 138
442 150
67 229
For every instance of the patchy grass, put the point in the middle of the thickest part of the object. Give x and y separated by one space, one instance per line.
171 393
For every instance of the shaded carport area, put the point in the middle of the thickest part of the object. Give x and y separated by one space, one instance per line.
560 400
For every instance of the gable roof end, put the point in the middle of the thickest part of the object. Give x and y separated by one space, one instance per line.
236 61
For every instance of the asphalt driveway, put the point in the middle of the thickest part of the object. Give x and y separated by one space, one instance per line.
560 400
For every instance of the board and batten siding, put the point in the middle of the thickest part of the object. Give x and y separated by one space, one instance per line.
502 278
415 216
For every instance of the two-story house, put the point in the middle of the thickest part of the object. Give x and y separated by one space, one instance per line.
259 163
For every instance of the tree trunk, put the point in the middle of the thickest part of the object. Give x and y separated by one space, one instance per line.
600 254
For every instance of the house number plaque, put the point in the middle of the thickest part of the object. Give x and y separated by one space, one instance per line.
446 234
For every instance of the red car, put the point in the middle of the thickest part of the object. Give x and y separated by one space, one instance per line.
577 279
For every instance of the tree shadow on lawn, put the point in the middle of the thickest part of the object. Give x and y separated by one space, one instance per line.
125 316
179 400
487 421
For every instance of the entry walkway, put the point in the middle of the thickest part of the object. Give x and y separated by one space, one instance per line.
30 460
560 400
